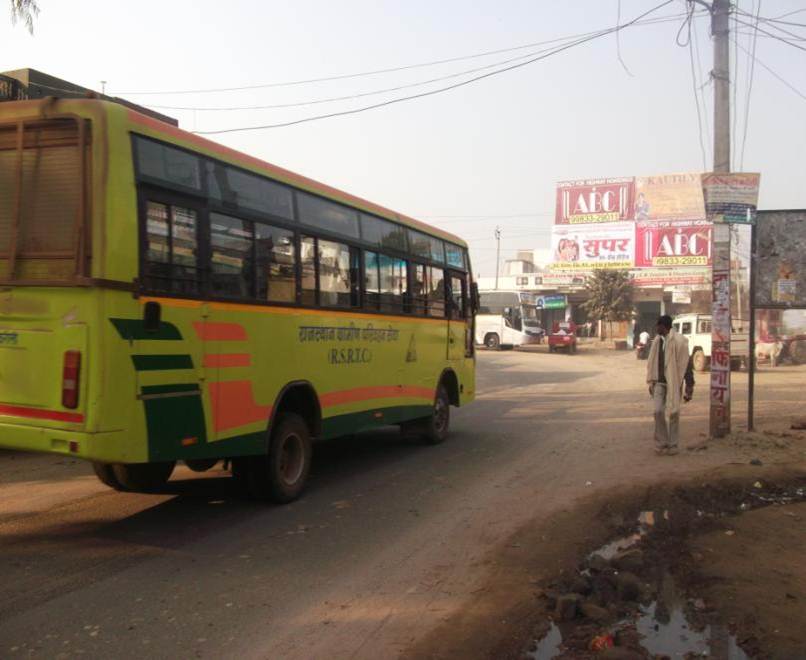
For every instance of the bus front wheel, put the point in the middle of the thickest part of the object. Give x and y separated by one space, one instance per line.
143 477
281 474
434 428
492 341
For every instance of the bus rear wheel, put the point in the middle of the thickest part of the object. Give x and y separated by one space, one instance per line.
492 341
106 475
433 429
279 476
143 477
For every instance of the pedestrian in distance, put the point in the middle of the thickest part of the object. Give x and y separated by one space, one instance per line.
668 368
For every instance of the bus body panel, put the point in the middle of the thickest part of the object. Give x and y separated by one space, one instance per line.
207 382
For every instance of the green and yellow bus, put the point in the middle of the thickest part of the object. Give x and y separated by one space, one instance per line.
164 298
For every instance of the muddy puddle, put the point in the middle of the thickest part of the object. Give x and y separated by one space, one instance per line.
633 597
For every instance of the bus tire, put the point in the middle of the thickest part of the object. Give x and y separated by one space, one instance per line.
106 475
492 341
699 361
280 476
433 429
143 477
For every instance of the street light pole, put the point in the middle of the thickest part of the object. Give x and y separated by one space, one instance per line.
497 254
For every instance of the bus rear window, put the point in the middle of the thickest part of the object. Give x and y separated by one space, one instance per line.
43 200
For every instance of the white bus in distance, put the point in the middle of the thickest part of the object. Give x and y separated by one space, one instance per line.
507 318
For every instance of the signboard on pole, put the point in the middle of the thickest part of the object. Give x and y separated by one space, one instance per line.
720 334
557 301
594 200
731 198
779 264
669 197
592 247
673 244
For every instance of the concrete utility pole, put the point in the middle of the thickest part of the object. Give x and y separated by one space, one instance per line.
720 29
497 253
720 390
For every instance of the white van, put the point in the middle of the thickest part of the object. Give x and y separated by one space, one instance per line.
697 329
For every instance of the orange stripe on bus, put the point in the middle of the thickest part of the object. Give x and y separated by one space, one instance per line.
227 360
234 405
379 392
217 331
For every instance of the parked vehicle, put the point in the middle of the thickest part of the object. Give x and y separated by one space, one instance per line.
507 318
563 337
697 329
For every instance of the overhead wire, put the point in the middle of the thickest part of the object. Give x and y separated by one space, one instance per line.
734 83
441 90
688 43
770 34
360 74
774 74
386 90
749 89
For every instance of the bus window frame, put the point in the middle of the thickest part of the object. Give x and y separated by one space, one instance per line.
165 192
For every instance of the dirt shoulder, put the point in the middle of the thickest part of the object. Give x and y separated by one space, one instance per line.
744 570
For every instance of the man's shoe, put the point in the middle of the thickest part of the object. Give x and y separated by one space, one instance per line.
661 451
672 451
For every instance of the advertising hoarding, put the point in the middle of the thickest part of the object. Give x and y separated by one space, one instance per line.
668 244
669 197
661 277
594 200
592 246
731 198
780 247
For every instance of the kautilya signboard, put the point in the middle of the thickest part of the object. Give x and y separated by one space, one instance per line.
661 244
590 247
594 200
669 197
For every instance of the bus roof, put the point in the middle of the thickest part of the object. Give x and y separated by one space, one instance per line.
155 128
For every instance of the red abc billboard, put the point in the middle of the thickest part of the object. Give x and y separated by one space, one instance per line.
594 200
673 244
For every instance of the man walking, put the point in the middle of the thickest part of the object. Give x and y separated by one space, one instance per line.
667 368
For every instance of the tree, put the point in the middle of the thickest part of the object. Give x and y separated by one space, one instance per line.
25 11
610 294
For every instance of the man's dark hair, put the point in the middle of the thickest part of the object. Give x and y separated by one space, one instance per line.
665 321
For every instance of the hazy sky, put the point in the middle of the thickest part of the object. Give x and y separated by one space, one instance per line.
467 160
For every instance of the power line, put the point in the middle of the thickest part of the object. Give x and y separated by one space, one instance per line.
511 67
749 88
770 34
735 85
362 74
386 90
350 97
777 76
690 45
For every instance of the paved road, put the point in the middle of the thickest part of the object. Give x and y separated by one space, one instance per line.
390 540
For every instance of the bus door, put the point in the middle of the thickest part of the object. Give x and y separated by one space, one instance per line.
460 326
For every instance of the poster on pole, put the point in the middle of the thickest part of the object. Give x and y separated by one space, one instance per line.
588 201
592 247
779 263
669 244
731 198
669 197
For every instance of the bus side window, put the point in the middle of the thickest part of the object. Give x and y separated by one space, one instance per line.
231 265
275 264
394 283
335 269
419 285
171 260
307 257
372 280
436 292
457 298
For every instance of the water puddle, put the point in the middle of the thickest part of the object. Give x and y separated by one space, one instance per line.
646 521
665 630
548 646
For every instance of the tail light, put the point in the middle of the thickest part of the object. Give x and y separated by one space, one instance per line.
71 373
